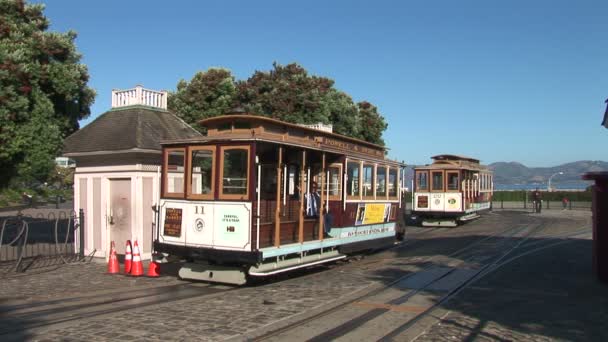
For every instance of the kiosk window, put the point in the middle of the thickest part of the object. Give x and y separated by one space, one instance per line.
353 174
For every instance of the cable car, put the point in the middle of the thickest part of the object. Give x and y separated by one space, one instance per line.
258 196
451 190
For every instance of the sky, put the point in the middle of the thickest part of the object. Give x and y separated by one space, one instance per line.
512 80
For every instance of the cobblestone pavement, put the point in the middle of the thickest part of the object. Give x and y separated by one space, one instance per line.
65 281
212 318
565 287
546 296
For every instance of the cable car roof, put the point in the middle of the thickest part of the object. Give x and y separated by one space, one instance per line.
454 157
451 161
252 117
247 127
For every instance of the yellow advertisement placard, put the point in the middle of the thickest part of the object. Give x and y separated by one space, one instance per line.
374 213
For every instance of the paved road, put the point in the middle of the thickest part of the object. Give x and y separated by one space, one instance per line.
549 294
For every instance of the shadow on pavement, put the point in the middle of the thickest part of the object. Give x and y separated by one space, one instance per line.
552 293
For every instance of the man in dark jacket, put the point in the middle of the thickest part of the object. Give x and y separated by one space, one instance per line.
537 198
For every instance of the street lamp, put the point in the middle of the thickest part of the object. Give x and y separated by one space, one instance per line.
549 182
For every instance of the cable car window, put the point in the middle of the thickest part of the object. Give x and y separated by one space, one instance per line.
293 180
381 181
268 182
393 183
353 174
242 125
227 126
368 180
174 172
453 181
234 172
437 180
335 174
422 181
201 171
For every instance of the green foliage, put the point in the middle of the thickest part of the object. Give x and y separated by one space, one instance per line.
10 197
61 177
208 94
343 114
372 123
43 92
287 93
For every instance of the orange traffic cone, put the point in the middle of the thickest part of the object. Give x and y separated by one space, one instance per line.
128 257
153 269
137 268
113 266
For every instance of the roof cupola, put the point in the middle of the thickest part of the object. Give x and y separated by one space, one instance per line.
139 96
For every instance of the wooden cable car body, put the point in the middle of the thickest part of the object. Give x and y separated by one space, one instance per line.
451 190
240 202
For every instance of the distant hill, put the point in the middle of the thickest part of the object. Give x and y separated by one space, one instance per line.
513 173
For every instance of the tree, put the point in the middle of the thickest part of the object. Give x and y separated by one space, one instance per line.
372 124
288 93
43 92
61 177
210 93
343 113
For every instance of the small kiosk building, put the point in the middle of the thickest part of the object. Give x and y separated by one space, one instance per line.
117 176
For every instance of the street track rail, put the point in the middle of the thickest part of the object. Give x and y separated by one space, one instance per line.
53 312
511 244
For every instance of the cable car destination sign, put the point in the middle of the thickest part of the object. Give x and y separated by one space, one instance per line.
346 146
173 222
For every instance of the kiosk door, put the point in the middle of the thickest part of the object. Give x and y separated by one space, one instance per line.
119 216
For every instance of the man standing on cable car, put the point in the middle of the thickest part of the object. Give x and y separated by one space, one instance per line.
312 201
313 207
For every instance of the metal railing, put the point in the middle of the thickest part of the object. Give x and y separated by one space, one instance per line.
570 205
31 241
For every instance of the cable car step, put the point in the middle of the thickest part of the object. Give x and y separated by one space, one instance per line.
439 223
213 273
469 217
278 266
